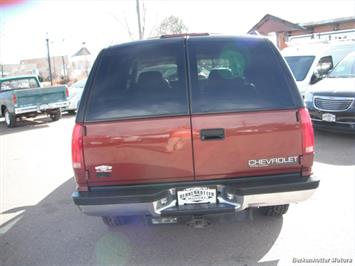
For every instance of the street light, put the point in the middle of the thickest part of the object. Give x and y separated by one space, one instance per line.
49 60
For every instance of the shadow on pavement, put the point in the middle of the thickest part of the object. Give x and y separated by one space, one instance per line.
28 124
54 232
334 148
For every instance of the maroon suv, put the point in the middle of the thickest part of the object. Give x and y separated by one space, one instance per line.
191 125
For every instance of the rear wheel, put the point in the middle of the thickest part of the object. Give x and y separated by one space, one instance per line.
274 211
72 112
55 115
10 119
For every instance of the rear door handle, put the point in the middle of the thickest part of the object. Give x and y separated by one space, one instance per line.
212 134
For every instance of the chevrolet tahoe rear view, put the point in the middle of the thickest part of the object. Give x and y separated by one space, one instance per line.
191 125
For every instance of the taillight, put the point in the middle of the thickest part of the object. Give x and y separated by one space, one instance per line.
307 131
307 142
14 99
66 91
78 156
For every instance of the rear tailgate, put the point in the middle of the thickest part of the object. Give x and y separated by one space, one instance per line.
138 151
254 143
244 109
40 96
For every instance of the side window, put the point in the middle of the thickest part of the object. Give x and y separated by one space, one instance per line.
139 81
230 76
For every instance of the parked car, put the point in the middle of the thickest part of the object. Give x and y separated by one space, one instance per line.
74 95
331 101
22 96
147 145
309 63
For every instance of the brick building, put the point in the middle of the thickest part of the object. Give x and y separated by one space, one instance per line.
18 69
60 66
286 32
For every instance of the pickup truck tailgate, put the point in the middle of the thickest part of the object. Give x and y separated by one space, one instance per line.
38 96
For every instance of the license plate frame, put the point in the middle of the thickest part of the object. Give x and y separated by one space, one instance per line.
329 117
196 195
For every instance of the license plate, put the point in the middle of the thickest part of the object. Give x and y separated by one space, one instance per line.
328 117
197 195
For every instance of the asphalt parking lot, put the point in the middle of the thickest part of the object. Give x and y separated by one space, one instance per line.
39 224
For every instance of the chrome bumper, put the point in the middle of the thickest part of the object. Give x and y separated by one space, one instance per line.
40 108
226 201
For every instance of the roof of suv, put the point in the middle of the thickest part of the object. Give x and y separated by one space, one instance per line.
167 38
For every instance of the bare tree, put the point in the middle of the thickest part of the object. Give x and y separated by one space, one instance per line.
123 21
171 25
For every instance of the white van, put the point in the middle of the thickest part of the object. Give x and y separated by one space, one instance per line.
310 62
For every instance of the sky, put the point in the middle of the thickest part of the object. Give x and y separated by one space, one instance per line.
25 24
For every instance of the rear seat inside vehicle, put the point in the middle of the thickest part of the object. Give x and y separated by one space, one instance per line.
152 80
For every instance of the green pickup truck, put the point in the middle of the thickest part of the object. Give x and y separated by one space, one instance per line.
22 96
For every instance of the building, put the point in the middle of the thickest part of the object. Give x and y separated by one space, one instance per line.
18 69
81 63
63 67
60 66
285 32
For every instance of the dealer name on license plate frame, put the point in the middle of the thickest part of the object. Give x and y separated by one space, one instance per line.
196 195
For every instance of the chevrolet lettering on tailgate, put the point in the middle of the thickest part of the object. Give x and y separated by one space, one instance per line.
273 161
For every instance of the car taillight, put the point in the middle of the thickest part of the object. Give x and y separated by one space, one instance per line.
66 91
78 157
307 142
307 131
14 99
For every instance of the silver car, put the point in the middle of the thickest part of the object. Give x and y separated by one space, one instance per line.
75 92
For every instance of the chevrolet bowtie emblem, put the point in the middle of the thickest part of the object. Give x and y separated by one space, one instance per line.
103 169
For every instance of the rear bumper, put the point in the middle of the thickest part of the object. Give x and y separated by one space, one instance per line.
160 200
72 104
40 108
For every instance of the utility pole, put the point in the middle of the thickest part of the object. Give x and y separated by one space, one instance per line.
64 68
49 61
54 74
139 21
65 73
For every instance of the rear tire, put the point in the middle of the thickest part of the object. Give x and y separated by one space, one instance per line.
72 112
274 211
10 119
112 220
56 115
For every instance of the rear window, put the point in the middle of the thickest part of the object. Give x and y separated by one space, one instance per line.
139 81
236 75
15 84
